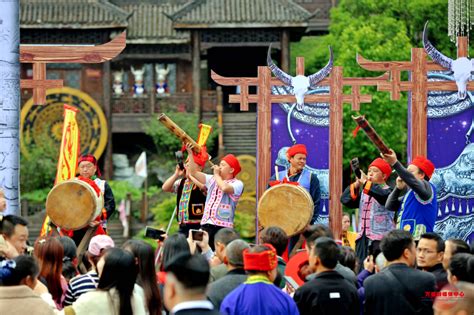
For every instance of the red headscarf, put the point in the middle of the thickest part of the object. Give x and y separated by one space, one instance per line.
383 166
199 158
264 261
233 162
424 164
89 158
297 148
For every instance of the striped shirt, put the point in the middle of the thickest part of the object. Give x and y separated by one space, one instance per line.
79 285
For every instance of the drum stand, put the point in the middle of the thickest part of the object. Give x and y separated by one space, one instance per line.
81 249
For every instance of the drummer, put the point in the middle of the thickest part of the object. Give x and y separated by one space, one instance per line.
297 173
296 156
223 193
89 172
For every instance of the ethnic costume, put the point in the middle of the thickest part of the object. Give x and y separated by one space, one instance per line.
258 295
100 186
305 179
220 207
374 219
418 207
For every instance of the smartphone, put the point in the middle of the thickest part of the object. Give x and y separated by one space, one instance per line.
355 167
154 233
197 235
291 282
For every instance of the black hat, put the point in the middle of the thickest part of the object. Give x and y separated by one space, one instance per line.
191 270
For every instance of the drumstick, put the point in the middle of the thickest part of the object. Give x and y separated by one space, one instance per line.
277 176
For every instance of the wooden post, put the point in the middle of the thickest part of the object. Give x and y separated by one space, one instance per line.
463 46
419 123
196 55
264 131
220 123
128 211
335 150
299 66
106 82
285 50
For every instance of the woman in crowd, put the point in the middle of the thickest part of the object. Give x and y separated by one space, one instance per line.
146 279
18 278
70 258
173 245
50 254
115 292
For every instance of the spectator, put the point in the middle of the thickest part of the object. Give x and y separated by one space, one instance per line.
429 257
258 295
460 302
328 292
399 279
146 278
452 247
14 230
222 238
18 278
173 245
3 202
70 258
89 281
235 276
115 292
348 258
348 237
277 238
186 282
461 268
50 254
311 234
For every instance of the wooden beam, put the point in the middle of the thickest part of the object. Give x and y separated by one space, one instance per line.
196 64
335 150
393 65
73 53
299 66
285 50
106 83
419 95
463 46
264 131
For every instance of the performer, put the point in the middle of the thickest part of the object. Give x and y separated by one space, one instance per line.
418 207
296 155
348 237
89 172
223 193
258 295
191 196
297 173
369 193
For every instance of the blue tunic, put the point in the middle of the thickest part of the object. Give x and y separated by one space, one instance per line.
260 297
416 215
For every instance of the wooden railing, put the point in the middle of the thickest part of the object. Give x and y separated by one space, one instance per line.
180 102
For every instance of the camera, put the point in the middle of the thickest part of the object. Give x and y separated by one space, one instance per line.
154 233
197 235
355 167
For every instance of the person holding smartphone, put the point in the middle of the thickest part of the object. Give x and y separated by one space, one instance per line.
190 193
369 193
224 191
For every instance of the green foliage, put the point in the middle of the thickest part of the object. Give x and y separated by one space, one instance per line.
163 212
38 168
37 196
120 189
378 30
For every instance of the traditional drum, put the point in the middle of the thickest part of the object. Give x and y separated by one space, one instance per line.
287 206
72 204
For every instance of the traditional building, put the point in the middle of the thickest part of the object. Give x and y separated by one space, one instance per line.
171 48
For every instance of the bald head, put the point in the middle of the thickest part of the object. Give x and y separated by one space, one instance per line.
234 253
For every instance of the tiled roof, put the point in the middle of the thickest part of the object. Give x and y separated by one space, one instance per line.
149 24
240 13
75 14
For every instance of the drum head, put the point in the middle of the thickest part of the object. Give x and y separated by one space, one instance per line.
287 206
71 204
